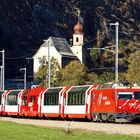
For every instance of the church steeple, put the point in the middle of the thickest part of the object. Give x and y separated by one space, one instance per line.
78 42
78 28
78 31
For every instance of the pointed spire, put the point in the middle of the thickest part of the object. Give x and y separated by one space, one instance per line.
78 12
78 28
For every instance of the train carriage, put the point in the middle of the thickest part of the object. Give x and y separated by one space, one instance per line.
52 103
78 102
2 100
115 103
31 102
12 102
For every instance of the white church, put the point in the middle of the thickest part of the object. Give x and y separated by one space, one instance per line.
60 49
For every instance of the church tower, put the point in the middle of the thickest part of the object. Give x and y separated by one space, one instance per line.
78 40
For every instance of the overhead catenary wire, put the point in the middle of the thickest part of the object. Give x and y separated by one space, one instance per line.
102 68
21 57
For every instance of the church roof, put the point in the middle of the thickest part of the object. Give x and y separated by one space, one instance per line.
61 46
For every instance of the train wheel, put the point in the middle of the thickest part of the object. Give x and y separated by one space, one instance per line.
104 117
111 118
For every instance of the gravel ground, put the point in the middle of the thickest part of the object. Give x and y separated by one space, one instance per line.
126 129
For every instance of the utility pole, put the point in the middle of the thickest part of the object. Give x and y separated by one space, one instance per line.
1 83
24 69
49 64
116 49
3 66
3 69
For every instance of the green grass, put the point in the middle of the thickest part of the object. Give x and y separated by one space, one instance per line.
13 131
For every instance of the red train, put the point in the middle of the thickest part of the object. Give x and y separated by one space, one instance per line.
106 102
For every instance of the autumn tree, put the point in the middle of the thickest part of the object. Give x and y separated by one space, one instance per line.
133 74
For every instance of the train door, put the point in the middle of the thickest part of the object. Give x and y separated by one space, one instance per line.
62 101
24 105
33 104
89 101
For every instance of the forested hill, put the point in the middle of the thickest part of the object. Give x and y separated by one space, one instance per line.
24 24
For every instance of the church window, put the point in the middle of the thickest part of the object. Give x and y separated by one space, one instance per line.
77 39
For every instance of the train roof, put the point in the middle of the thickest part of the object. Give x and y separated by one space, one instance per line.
35 91
117 86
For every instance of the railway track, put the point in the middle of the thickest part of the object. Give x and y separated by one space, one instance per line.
110 128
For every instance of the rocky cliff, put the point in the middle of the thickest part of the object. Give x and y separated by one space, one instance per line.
24 24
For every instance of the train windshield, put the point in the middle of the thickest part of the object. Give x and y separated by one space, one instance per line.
137 95
124 95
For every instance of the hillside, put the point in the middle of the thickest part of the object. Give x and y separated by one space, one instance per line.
24 24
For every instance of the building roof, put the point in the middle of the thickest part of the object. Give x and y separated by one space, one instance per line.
61 46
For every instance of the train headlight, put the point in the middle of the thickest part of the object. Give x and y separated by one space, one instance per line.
119 107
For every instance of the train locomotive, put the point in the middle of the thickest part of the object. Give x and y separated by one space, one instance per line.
106 102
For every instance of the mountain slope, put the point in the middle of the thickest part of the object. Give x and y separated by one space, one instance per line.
24 24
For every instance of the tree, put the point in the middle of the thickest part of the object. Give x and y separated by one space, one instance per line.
110 77
133 74
41 75
76 74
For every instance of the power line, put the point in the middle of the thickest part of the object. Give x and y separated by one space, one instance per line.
125 32
102 68
18 77
20 56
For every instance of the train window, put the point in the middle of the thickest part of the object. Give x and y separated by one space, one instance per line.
76 95
32 99
124 95
24 101
137 95
12 97
51 96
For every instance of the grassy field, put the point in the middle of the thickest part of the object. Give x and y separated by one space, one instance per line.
13 131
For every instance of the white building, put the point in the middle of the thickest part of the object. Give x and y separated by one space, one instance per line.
61 50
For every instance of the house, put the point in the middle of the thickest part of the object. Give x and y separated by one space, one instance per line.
61 50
